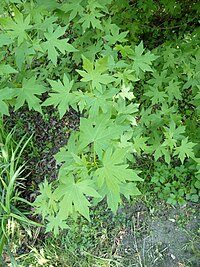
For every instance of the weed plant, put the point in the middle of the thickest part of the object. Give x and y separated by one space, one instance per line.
11 183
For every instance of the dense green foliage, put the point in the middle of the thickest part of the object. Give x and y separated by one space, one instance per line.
137 99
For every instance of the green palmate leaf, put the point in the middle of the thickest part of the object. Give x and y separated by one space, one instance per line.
91 18
124 50
72 196
126 113
172 134
93 4
82 98
174 131
125 93
7 69
126 76
55 224
5 94
95 73
139 143
162 151
43 23
185 150
4 39
113 174
46 202
18 27
100 102
61 96
115 36
66 154
129 189
27 93
21 52
156 95
142 62
125 141
100 133
158 78
53 43
73 7
173 91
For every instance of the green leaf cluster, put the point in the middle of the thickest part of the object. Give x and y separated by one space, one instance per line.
135 102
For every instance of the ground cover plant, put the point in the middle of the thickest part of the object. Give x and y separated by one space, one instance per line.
129 72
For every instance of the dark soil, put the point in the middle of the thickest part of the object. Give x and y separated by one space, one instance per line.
163 237
49 134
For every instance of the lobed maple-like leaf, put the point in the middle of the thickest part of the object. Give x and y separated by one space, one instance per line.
91 18
7 69
173 91
55 224
27 93
100 133
100 102
95 73
73 7
115 36
125 113
156 95
46 203
5 94
113 173
185 150
142 62
159 78
72 196
17 27
61 96
140 143
125 93
5 39
53 43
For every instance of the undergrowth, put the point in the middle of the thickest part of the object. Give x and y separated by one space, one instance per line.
130 69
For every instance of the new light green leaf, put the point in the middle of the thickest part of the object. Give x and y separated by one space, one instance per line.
125 93
94 73
72 196
113 173
100 133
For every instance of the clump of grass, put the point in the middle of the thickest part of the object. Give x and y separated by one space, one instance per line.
11 176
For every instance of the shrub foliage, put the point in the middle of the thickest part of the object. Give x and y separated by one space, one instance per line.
130 68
